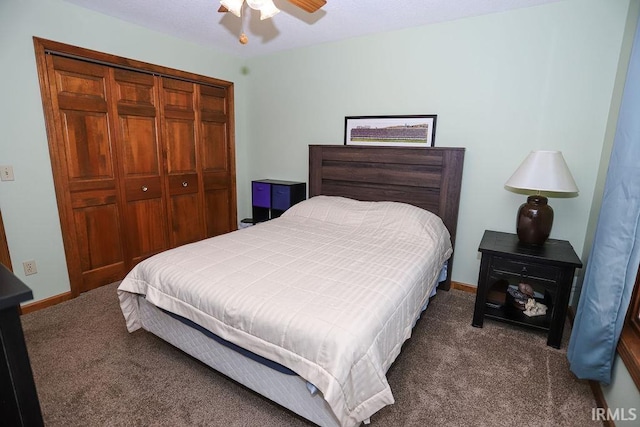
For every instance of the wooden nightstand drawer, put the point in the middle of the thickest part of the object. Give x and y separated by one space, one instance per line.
525 271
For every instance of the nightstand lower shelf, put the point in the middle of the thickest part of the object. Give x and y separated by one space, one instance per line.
507 315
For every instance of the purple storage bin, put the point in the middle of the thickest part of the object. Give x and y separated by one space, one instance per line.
261 194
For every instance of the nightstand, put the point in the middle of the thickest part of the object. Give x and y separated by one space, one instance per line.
271 197
548 269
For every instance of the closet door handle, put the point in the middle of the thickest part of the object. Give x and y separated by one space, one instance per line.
185 184
144 188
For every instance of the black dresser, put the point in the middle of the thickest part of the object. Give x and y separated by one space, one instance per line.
19 403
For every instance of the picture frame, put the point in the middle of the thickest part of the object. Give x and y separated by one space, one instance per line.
391 131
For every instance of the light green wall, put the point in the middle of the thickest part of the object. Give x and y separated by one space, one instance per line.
28 204
502 85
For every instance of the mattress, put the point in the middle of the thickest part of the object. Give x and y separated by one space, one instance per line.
329 290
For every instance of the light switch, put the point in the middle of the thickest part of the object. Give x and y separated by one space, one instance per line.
6 173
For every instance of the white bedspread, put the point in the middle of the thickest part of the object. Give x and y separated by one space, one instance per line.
330 290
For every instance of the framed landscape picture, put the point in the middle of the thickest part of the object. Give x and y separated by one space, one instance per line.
398 131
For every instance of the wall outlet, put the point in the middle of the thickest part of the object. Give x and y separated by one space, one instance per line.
29 267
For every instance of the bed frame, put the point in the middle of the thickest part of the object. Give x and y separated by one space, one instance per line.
426 177
429 178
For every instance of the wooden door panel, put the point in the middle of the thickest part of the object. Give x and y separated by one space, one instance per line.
187 220
214 135
186 224
216 157
137 138
217 212
5 258
86 199
180 141
102 276
98 234
79 78
178 96
178 106
89 180
135 88
139 142
140 164
183 182
215 147
213 99
98 237
87 145
143 188
74 102
146 225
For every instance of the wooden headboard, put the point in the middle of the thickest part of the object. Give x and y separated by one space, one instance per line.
429 178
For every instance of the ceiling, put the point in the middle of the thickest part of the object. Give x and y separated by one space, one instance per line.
199 21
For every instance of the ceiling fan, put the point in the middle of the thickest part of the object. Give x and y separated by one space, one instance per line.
306 5
267 9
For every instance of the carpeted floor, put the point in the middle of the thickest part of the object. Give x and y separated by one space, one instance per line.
90 372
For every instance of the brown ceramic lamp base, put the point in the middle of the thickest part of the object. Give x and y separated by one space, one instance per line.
534 221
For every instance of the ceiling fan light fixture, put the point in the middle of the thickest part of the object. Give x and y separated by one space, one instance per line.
256 4
268 10
233 6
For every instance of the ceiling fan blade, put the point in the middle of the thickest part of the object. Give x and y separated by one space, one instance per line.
309 5
223 9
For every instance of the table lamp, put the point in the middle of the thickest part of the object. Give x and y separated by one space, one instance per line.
541 171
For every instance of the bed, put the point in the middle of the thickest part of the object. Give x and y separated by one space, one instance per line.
311 309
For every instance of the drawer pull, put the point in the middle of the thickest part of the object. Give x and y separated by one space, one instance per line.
144 188
510 273
185 184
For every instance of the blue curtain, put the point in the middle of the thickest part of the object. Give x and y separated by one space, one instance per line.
613 263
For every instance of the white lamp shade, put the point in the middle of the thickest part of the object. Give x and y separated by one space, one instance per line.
233 6
543 171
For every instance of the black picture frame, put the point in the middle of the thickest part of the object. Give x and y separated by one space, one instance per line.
391 131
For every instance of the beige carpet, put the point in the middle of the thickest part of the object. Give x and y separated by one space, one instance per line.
90 372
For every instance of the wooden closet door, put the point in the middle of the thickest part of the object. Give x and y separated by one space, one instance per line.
85 164
142 158
140 161
217 161
178 99
5 258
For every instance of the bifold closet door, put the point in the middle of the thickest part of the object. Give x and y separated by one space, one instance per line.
139 151
142 158
217 158
183 180
86 168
